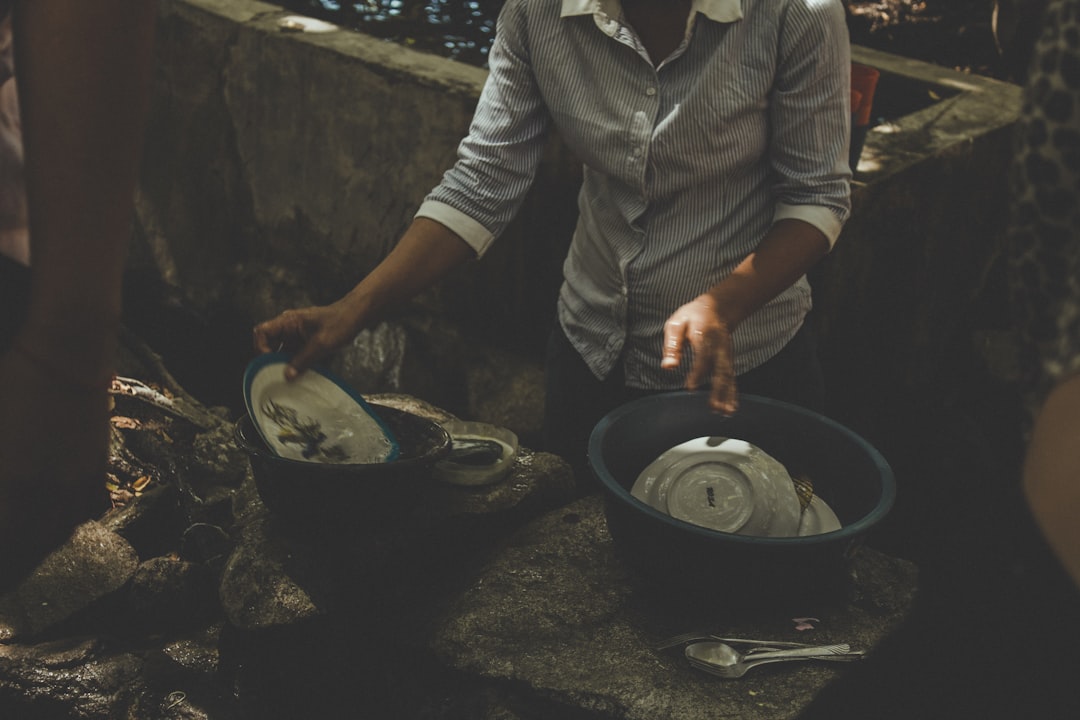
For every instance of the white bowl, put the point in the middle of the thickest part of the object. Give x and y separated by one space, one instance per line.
480 453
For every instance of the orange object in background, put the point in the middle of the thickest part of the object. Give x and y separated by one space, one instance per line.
863 83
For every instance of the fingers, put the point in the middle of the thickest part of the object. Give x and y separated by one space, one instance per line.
310 334
288 330
266 337
305 357
723 395
674 336
284 330
704 352
713 366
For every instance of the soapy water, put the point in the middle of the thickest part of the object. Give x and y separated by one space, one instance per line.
362 439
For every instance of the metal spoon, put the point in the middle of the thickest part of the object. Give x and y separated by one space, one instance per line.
721 659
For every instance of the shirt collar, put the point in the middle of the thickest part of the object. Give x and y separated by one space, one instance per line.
717 10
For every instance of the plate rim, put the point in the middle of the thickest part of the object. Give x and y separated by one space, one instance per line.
817 503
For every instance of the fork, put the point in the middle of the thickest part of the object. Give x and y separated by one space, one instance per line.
759 645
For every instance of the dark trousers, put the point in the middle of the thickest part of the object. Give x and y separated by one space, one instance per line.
575 400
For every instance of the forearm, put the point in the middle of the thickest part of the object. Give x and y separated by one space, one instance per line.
84 70
1052 473
426 252
786 253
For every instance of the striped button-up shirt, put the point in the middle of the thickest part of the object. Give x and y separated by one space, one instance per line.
687 162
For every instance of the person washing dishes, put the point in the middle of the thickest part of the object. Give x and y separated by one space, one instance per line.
714 136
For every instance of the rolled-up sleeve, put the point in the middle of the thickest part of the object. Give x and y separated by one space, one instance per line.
810 117
497 161
823 218
478 237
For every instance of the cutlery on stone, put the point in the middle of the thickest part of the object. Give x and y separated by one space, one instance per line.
683 638
718 658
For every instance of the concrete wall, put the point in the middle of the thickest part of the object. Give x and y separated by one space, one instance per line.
281 166
913 295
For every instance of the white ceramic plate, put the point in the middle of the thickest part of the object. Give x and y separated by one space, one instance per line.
714 491
723 484
818 518
314 418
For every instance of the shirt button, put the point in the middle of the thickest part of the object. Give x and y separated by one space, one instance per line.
637 152
650 91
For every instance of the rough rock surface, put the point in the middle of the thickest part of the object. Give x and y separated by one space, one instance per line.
257 588
78 678
190 599
94 563
556 624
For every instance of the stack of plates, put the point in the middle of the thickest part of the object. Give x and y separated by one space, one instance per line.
732 486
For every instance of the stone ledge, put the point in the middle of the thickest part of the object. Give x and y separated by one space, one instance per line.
555 624
970 106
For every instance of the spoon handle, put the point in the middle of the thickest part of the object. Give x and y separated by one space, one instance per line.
848 657
687 637
817 651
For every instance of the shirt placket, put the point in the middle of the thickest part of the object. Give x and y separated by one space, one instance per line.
644 109
643 113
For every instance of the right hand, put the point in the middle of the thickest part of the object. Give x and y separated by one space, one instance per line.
311 334
700 325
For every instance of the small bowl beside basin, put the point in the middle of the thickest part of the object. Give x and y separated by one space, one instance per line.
480 453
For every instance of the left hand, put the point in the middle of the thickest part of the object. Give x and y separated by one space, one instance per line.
311 334
700 324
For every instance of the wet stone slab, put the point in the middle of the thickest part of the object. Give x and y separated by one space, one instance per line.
557 625
192 600
93 564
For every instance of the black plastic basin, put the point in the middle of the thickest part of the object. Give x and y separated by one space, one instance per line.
340 495
847 472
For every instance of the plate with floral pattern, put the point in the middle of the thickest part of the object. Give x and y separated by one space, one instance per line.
316 417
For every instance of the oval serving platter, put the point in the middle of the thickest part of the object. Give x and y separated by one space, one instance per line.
315 418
